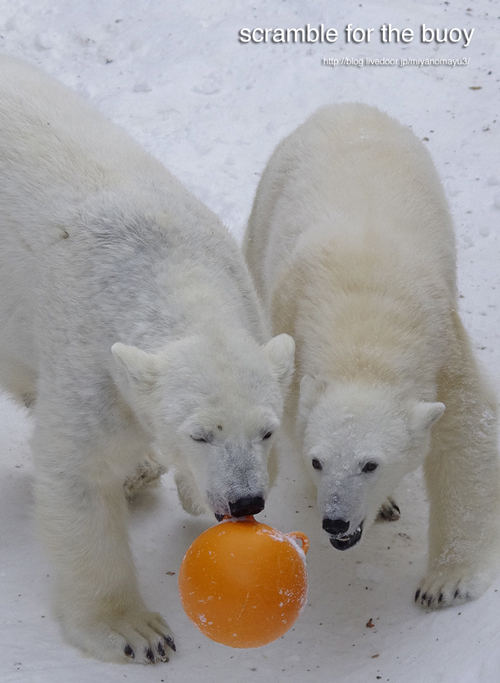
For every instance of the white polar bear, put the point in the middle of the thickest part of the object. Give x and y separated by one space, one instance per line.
129 318
351 247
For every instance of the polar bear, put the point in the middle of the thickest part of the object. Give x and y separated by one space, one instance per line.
352 251
130 324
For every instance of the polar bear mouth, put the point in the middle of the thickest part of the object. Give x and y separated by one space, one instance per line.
345 542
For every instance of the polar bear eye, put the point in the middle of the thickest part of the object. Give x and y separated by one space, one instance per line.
370 466
316 464
203 438
267 435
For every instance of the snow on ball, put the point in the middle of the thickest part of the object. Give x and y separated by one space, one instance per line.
243 583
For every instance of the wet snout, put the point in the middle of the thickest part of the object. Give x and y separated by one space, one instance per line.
342 501
248 505
335 527
238 485
241 507
338 531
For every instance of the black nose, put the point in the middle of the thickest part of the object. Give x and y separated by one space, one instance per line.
247 506
335 526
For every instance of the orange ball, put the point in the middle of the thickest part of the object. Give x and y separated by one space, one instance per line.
243 583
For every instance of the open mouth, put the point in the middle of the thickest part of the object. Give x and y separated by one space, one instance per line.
345 542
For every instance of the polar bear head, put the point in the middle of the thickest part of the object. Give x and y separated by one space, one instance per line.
213 405
359 441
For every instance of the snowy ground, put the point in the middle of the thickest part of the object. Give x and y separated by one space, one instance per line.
212 109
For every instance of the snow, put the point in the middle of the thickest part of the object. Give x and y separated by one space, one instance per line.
212 109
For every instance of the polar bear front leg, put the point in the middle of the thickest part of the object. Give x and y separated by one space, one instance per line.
82 515
463 479
187 492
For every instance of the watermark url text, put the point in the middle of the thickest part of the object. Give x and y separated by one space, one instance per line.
368 61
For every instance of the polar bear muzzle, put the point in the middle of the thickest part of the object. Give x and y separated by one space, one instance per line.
243 507
250 505
336 527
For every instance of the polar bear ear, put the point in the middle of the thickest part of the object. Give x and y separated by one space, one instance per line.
140 368
310 392
425 414
281 352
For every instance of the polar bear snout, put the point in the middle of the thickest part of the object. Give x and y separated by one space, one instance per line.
242 499
340 540
335 527
249 505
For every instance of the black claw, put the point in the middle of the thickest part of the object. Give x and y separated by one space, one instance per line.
441 597
129 652
417 595
170 642
149 655
457 593
161 652
429 601
424 597
396 507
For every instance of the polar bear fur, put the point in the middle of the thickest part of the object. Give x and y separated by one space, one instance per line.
352 251
130 324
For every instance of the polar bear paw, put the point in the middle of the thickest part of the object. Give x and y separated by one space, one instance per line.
140 637
187 496
147 476
443 588
389 512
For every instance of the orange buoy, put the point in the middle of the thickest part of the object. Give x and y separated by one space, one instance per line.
243 583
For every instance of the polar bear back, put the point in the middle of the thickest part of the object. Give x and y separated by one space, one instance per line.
70 143
57 151
349 174
98 234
